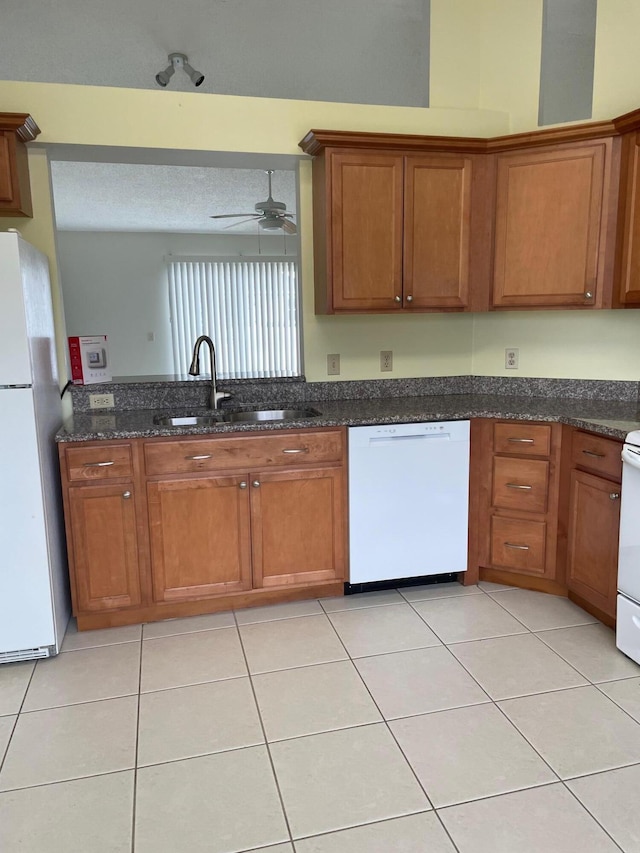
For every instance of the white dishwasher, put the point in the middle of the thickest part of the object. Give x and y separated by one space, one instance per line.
408 500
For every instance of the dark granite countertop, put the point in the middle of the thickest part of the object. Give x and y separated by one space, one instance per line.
606 417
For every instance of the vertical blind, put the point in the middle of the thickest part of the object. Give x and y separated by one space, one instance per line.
248 307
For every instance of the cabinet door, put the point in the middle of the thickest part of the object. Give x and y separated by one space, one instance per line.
549 216
594 523
629 273
297 527
199 536
437 218
366 231
104 547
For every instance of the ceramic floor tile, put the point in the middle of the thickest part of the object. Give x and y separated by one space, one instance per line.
290 642
540 819
418 681
591 649
14 680
382 629
6 728
418 833
184 659
339 779
277 848
467 617
85 675
612 798
516 666
576 731
468 753
313 699
541 612
214 804
272 612
188 625
488 586
204 718
360 600
75 639
429 591
93 814
624 693
71 742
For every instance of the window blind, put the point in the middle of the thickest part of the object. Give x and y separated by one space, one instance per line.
248 307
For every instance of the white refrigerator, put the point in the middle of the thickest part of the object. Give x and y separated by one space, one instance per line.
34 599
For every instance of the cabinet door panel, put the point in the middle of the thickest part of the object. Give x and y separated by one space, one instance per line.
548 223
594 524
630 272
298 527
199 533
6 177
105 547
366 230
436 233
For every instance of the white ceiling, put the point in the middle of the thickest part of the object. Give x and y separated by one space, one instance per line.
137 197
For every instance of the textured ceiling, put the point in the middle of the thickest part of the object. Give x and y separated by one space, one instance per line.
132 197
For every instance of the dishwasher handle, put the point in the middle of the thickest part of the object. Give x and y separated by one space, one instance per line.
414 436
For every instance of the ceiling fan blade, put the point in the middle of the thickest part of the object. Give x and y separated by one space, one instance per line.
289 227
242 222
230 215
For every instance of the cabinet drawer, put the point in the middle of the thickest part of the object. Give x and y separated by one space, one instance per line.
517 544
599 454
246 453
105 462
520 484
523 439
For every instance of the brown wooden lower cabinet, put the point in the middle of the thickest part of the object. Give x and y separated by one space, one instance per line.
102 526
154 531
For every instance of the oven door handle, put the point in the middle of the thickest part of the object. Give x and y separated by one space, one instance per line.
631 457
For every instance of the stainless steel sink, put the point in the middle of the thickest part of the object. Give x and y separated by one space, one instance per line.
187 420
270 415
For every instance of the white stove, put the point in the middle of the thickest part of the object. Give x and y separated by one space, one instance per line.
628 608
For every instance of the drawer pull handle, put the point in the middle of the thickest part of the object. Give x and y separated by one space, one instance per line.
296 450
98 464
522 440
126 495
200 456
613 496
594 454
517 486
517 547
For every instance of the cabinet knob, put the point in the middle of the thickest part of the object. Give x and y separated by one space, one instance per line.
126 495
397 299
588 294
613 496
243 485
409 298
256 484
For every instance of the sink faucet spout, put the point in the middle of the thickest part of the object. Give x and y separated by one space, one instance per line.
194 370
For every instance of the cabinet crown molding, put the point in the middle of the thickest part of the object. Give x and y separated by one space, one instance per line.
22 124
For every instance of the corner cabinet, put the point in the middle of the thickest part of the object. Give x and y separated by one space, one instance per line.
171 527
394 230
15 191
628 250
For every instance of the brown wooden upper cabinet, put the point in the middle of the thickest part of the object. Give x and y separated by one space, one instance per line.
551 221
392 231
628 254
15 190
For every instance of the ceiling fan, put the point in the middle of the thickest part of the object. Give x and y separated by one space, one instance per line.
270 215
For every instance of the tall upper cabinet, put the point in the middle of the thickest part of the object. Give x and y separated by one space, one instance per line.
15 192
628 244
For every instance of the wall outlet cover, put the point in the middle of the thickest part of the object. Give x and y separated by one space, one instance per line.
101 401
333 364
511 358
386 360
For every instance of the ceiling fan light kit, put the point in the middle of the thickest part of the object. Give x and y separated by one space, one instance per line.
270 215
179 60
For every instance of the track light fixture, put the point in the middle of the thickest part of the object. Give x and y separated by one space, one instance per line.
179 60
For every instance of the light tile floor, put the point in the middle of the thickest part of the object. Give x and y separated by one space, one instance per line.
426 720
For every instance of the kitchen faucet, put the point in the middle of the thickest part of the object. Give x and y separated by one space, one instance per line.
194 370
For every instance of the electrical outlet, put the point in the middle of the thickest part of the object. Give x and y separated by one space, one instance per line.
386 360
101 401
512 358
333 364
151 336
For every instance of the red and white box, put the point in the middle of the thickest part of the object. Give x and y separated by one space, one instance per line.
89 355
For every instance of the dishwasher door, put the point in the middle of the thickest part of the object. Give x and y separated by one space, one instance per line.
408 500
